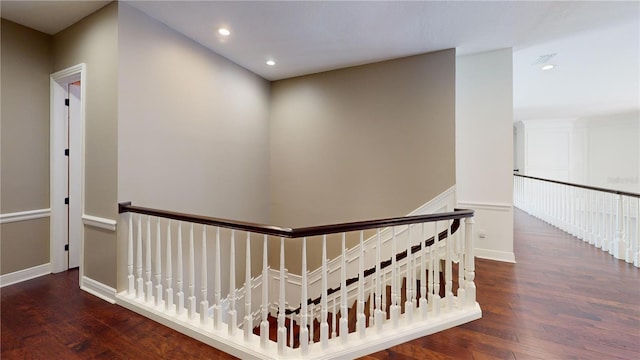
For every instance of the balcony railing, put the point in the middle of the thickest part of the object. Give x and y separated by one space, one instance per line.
605 218
414 276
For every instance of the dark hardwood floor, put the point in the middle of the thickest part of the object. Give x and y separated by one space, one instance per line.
564 299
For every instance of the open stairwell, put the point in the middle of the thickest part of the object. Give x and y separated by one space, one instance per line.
413 277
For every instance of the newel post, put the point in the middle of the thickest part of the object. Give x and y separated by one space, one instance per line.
469 274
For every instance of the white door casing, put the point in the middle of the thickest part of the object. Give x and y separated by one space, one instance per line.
59 89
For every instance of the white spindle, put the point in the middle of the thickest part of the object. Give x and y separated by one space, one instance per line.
408 305
282 330
139 280
344 310
311 322
233 315
628 256
204 303
394 309
179 274
130 277
448 270
423 270
191 264
248 316
620 235
264 324
636 260
435 270
379 313
470 286
324 326
217 309
169 280
291 324
333 318
148 291
304 332
158 265
361 320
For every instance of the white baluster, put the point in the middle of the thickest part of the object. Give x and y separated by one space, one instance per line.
423 269
311 322
435 271
204 303
179 274
628 249
361 320
304 332
248 316
344 310
636 260
191 300
333 318
372 296
461 259
612 223
264 324
139 280
233 315
291 324
158 296
408 304
448 270
395 309
169 281
324 326
130 277
379 313
217 309
620 244
282 330
470 286
147 257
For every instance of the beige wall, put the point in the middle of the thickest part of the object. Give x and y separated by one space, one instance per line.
193 129
360 143
24 167
94 41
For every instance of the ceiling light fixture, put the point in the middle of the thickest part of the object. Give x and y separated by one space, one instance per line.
271 62
224 31
548 67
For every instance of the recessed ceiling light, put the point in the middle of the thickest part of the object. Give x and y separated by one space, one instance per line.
548 67
271 62
224 31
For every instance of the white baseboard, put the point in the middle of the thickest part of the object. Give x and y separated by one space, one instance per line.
98 289
495 255
24 275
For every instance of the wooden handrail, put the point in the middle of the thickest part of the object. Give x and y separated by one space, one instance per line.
618 192
299 232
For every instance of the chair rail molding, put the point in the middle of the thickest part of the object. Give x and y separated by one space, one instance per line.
24 215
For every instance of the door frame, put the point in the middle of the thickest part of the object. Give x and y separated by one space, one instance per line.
59 232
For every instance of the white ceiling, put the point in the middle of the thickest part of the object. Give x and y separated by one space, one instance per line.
596 42
49 17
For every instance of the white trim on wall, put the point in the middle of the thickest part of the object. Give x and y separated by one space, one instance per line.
99 222
98 289
24 215
485 206
25 274
495 255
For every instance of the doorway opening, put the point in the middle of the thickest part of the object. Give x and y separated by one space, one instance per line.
66 168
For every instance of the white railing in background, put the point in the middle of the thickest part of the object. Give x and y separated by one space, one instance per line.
302 322
607 219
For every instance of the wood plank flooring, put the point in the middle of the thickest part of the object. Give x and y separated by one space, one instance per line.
564 299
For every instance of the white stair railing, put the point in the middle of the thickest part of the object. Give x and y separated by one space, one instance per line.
608 219
361 284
